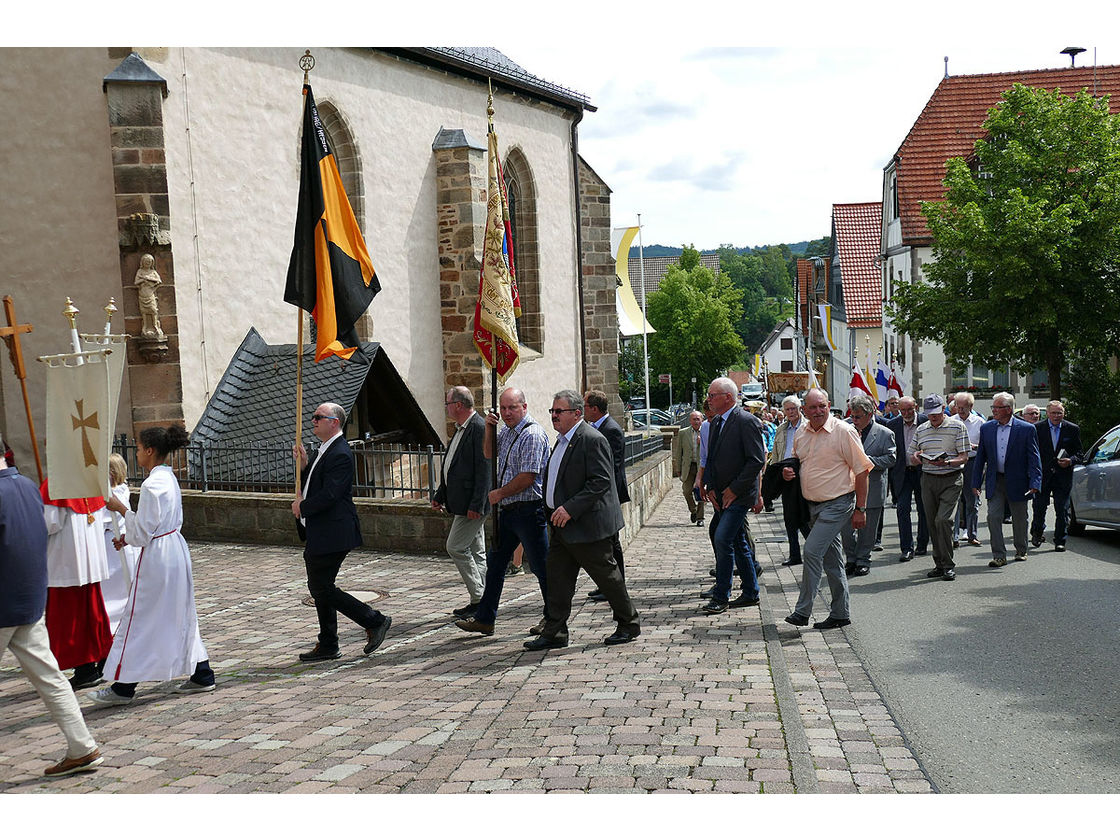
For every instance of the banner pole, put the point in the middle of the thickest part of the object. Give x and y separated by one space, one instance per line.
299 390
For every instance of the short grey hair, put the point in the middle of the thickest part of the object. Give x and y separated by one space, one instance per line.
862 403
792 400
337 411
462 395
1032 405
725 384
1005 397
969 400
573 398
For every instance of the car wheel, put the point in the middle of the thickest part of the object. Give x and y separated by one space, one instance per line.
1076 528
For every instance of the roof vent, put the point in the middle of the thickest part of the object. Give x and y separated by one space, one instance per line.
1072 52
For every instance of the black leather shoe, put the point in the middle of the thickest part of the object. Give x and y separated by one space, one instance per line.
711 572
1058 547
849 568
376 636
1037 541
714 607
621 637
544 643
792 563
797 620
949 575
318 654
744 600
465 612
933 573
692 518
708 593
757 570
831 623
700 522
596 595
860 571
906 557
921 552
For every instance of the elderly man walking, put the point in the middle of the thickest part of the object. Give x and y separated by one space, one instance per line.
1007 458
833 471
940 447
1059 446
686 463
795 513
906 481
463 487
968 511
23 601
878 445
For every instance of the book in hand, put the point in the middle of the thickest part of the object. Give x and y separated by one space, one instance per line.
935 457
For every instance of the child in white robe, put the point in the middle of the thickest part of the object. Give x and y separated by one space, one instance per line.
158 636
114 589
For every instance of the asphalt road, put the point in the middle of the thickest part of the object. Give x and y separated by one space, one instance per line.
1006 680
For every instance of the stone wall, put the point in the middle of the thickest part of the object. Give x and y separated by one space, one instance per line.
388 525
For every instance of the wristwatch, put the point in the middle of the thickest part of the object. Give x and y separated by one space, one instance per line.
861 509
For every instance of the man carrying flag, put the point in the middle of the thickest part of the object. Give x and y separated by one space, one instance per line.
330 273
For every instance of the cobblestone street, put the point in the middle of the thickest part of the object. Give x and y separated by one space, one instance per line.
739 702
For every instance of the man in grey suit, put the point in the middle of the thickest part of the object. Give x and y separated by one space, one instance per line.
879 446
733 461
463 487
583 513
595 413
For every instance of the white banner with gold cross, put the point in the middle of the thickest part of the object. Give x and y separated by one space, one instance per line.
79 424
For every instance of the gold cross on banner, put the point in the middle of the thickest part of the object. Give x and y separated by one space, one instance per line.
83 423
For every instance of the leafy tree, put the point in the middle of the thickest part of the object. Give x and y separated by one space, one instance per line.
1027 240
694 311
1092 390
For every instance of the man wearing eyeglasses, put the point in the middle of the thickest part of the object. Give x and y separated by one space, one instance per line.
328 521
584 514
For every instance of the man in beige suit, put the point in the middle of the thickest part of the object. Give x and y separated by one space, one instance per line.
686 462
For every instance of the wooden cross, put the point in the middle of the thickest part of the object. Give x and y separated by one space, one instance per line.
11 334
83 423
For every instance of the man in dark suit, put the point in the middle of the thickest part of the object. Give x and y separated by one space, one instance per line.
464 485
906 481
583 512
734 459
595 413
1008 454
327 519
1056 437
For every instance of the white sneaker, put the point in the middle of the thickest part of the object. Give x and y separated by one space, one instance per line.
191 687
107 697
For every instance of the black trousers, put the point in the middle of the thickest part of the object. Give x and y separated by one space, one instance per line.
322 569
563 565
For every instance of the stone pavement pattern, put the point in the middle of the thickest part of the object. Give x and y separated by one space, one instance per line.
739 702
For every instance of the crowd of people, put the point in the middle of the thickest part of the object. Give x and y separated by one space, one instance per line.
94 586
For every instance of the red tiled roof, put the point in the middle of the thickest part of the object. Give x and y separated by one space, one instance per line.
857 230
804 278
951 123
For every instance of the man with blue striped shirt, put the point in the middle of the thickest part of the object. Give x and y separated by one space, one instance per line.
522 456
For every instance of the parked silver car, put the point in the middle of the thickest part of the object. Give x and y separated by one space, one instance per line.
1095 498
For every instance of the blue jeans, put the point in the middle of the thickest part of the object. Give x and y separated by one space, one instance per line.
911 487
730 543
525 525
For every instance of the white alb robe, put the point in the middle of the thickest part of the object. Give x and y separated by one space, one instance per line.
75 548
158 636
114 589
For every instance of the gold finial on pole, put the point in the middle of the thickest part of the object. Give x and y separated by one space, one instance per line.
110 308
71 313
307 64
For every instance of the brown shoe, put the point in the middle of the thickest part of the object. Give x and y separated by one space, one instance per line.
75 765
537 628
472 626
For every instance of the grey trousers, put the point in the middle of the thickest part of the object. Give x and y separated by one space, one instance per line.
466 545
968 511
858 544
940 494
31 648
822 553
1018 509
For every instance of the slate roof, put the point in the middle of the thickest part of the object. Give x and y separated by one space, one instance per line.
950 124
657 267
856 232
253 405
486 62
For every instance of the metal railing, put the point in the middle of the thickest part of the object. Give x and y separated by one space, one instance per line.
382 471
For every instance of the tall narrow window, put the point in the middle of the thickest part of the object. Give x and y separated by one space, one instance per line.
522 194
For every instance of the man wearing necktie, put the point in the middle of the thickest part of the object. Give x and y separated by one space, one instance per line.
583 513
1059 445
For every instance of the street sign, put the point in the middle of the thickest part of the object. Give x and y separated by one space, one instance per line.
665 378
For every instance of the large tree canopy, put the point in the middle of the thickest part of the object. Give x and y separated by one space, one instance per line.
694 312
1027 240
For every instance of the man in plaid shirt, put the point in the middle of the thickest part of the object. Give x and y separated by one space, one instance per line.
522 456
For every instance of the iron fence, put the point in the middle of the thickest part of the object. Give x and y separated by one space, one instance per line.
382 471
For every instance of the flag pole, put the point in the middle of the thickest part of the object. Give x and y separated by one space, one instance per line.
15 349
494 340
306 63
645 339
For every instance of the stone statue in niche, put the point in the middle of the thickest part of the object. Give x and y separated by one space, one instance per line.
147 281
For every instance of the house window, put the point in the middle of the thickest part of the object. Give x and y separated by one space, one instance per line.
522 194
787 366
894 197
979 378
787 343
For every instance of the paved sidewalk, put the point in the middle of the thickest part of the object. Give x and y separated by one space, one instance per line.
739 702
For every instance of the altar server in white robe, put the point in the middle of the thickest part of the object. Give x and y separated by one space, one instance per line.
158 636
122 563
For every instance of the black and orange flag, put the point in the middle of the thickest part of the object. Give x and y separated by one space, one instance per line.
330 274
